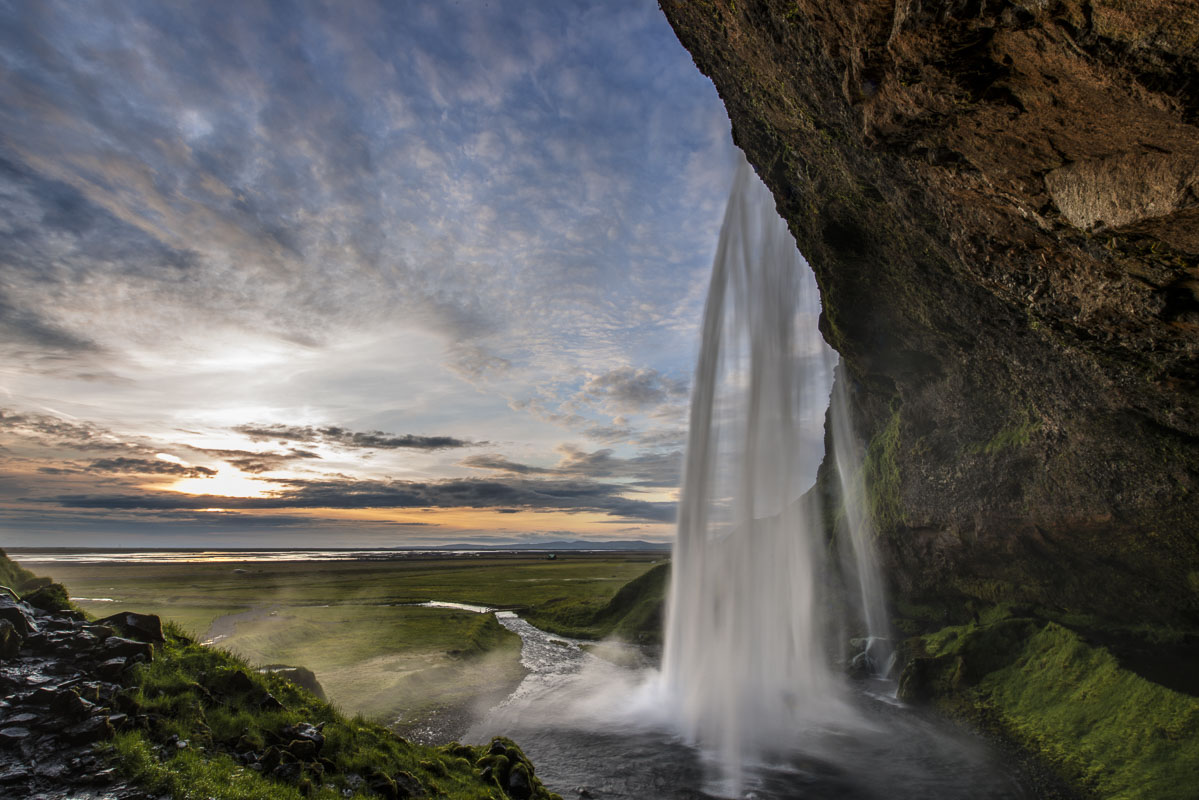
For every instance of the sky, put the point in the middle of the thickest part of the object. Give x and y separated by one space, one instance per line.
349 274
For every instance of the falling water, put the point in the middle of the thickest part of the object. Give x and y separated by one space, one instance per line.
861 567
745 657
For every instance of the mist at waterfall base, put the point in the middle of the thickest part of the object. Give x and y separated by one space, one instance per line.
747 702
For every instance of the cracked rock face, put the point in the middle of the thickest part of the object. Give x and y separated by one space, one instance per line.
999 198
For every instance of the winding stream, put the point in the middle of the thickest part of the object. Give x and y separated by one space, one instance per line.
598 730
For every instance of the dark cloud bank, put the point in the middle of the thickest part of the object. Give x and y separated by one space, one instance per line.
523 494
341 437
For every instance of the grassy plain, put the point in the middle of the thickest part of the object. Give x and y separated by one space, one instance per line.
352 622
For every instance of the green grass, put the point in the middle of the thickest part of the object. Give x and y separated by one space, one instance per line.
210 699
348 622
1104 727
633 614
14 576
389 663
196 594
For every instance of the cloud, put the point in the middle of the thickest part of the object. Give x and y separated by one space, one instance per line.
648 470
51 430
628 390
571 496
147 466
255 462
500 464
341 437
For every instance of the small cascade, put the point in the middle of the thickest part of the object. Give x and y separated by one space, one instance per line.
860 559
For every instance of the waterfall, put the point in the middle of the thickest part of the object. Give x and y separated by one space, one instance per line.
744 656
745 659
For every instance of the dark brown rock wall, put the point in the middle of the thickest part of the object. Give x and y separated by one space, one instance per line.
1001 203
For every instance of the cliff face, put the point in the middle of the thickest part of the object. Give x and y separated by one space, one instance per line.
1001 203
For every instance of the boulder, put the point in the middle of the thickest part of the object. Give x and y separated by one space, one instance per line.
118 646
112 668
101 632
22 720
302 749
273 757
270 703
232 681
92 729
19 614
304 732
519 786
383 785
69 704
288 772
300 676
143 627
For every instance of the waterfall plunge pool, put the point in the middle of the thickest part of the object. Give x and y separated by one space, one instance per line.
594 729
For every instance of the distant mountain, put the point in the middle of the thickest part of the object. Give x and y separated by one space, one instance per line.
571 544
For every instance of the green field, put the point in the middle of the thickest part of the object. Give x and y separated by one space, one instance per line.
352 624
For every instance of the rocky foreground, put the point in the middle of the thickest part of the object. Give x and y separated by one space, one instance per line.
119 709
62 681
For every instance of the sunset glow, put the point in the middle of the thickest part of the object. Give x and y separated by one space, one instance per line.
225 483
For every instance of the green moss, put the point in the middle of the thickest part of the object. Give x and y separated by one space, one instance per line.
1017 435
1105 728
880 470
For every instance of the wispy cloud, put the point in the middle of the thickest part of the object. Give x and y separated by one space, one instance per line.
340 437
132 466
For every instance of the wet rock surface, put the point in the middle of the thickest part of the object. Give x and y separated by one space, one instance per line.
64 694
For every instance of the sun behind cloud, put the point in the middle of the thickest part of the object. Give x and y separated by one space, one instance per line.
226 483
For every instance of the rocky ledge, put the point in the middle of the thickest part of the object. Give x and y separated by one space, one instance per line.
62 679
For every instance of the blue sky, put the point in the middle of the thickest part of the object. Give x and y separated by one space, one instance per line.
349 273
